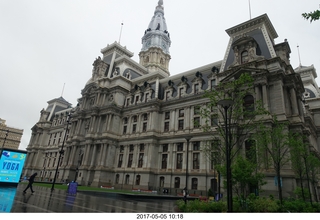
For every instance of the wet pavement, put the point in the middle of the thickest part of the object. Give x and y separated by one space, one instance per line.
13 200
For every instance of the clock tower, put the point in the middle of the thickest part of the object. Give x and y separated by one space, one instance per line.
154 54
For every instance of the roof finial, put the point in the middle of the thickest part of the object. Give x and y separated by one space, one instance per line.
299 56
120 31
160 2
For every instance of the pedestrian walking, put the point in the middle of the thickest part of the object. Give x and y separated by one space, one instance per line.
31 180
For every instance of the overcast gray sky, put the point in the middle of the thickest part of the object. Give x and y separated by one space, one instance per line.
45 44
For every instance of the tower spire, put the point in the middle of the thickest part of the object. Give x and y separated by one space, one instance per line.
299 56
156 38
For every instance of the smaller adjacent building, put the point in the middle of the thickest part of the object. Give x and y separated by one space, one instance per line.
10 137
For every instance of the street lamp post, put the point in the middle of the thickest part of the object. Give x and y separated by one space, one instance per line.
226 104
186 188
61 152
5 138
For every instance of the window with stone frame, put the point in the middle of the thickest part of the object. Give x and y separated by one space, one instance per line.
121 148
167 115
196 145
120 160
180 124
144 126
213 84
127 179
166 126
181 113
138 180
146 97
130 158
161 182
128 102
134 128
179 161
50 139
131 148
194 183
140 161
250 151
196 161
179 146
141 148
248 106
125 120
165 148
196 122
196 110
137 99
135 118
196 88
244 56
164 161
145 117
124 129
167 95
177 182
117 179
180 92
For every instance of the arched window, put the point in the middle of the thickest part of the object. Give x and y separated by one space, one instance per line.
194 182
161 182
250 149
248 104
244 57
138 180
177 182
117 179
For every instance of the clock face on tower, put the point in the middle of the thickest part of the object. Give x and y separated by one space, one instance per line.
148 43
164 46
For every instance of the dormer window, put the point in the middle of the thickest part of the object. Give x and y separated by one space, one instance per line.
244 57
196 88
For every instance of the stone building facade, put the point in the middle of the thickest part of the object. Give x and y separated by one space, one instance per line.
134 126
10 137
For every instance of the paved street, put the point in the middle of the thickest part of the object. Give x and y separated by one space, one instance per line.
43 201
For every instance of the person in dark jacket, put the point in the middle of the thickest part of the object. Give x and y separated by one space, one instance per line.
31 180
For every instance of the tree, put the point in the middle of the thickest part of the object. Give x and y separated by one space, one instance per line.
314 166
241 117
272 140
313 16
298 152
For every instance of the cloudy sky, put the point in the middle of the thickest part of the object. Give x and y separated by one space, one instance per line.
46 44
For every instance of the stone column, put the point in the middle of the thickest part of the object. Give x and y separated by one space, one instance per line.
86 154
265 97
92 162
187 118
258 92
294 104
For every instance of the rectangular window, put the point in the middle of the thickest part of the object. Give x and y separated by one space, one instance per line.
213 84
134 128
121 148
137 98
179 161
144 127
125 120
167 95
180 92
145 117
181 113
140 162
141 147
180 124
179 146
166 126
196 145
196 122
164 161
146 97
124 129
130 158
165 148
128 101
196 88
50 139
131 148
196 110
120 160
196 161
135 118
214 120
167 115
